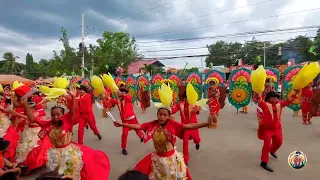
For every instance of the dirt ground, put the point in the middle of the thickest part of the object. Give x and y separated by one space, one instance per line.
230 152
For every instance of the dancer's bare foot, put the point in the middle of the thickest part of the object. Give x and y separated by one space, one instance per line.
309 122
304 123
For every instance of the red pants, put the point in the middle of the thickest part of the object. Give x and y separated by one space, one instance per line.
189 135
272 140
125 131
306 111
85 119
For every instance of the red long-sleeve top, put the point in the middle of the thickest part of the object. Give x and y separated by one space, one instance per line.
271 118
85 104
186 114
125 107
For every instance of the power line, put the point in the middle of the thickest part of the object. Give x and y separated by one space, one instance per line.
188 41
189 48
188 1
235 35
206 15
235 22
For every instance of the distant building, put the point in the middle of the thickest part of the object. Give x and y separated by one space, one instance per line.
135 67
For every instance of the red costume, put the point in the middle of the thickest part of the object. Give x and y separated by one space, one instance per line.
188 116
270 128
213 95
306 105
9 133
128 116
163 163
86 116
34 144
81 161
256 98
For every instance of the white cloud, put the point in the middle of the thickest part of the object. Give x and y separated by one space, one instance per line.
47 17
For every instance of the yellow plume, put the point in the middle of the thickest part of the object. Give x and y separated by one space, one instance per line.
60 82
44 89
165 94
97 85
109 82
1 89
16 84
306 75
258 79
192 94
55 93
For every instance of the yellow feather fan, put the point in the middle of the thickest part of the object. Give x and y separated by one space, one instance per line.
44 89
165 95
61 82
1 89
258 79
306 75
97 85
55 93
192 96
109 82
16 84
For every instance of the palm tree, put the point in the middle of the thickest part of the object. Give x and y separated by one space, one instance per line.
148 68
11 65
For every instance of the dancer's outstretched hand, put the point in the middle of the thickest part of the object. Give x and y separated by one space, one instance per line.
117 124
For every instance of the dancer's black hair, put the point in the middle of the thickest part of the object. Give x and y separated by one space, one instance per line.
271 95
169 112
133 175
58 107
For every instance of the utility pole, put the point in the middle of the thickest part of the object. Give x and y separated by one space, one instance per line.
92 62
264 54
82 41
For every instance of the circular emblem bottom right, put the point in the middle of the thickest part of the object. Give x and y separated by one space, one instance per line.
297 159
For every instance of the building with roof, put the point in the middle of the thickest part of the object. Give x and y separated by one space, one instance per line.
135 67
9 79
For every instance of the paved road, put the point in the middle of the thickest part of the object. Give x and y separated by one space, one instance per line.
231 152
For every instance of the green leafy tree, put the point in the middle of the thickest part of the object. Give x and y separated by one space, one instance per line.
113 49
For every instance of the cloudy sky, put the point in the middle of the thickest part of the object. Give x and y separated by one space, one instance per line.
33 26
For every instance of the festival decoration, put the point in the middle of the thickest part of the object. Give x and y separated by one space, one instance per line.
55 93
143 84
312 49
174 81
196 81
97 85
240 88
289 75
131 85
73 82
156 82
1 89
213 75
306 75
86 82
119 80
258 79
44 89
109 81
60 82
210 65
274 75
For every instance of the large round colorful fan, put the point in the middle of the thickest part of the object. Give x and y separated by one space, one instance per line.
196 81
131 85
156 82
142 84
289 75
174 81
274 75
119 80
240 88
214 75
86 82
73 81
